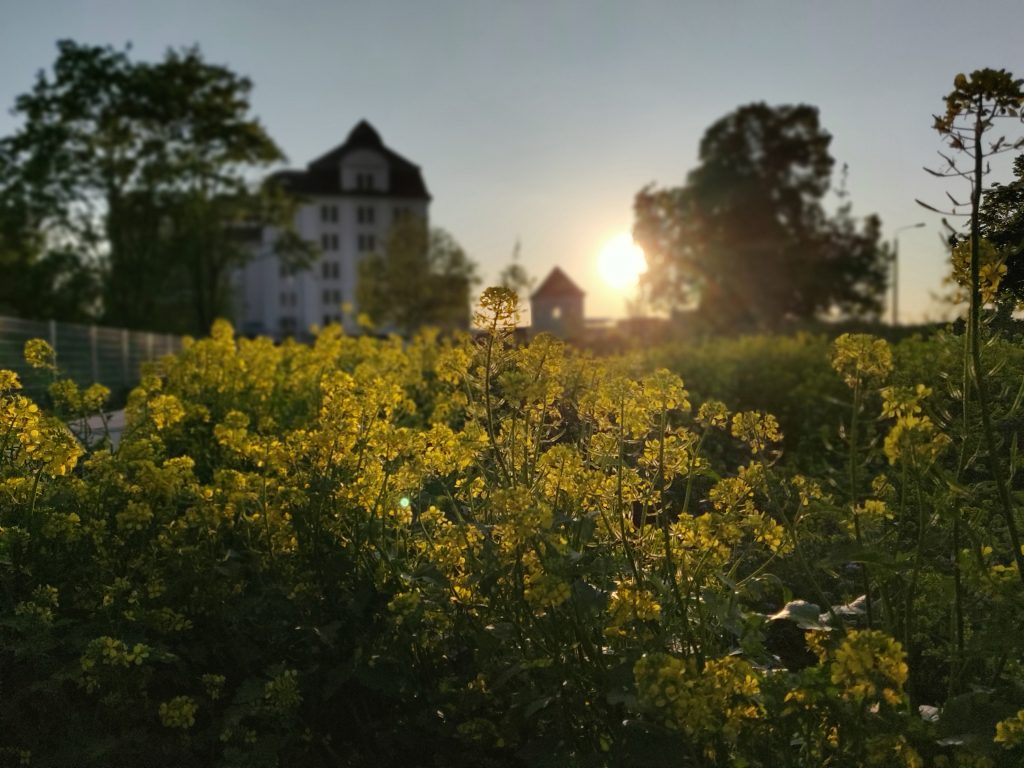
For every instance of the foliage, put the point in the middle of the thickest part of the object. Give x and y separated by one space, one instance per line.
423 277
515 278
747 237
1002 224
466 553
140 167
39 283
460 552
788 376
973 108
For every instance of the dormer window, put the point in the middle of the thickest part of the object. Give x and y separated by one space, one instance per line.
364 181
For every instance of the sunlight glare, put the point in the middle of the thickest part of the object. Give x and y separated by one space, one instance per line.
621 262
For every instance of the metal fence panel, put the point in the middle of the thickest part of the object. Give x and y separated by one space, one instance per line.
86 353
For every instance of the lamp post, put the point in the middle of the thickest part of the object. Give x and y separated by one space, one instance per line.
896 270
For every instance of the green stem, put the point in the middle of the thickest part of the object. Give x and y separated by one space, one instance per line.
980 383
618 494
489 409
865 576
956 668
670 565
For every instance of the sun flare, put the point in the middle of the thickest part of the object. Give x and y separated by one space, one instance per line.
621 262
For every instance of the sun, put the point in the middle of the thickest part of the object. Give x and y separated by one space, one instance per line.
621 262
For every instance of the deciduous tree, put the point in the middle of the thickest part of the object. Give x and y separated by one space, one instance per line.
38 282
422 277
747 238
144 167
1001 219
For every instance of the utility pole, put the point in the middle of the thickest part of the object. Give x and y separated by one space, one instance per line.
896 270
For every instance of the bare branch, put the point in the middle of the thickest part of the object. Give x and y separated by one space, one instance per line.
934 209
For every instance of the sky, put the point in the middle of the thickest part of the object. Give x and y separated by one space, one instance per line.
538 122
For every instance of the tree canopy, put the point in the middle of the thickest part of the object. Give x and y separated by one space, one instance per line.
422 277
142 172
747 238
1002 224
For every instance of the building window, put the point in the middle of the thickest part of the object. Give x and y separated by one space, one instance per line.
327 296
365 214
328 242
364 181
325 269
329 213
366 242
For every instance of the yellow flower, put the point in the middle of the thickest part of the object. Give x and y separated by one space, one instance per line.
868 665
9 381
718 701
40 355
1010 732
991 268
758 430
179 712
630 603
281 693
713 413
861 359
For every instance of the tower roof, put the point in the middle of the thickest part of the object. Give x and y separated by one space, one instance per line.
364 135
557 283
321 176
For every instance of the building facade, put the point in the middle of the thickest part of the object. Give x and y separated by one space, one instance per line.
556 307
349 199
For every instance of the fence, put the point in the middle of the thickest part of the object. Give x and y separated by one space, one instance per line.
86 353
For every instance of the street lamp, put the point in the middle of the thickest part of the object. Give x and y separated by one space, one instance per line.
896 270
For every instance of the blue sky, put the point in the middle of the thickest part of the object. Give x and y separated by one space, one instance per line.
541 120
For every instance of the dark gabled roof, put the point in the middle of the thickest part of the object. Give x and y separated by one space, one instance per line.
557 283
321 176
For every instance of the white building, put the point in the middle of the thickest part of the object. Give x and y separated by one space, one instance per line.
349 200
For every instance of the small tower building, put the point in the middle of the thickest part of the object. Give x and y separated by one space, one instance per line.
556 307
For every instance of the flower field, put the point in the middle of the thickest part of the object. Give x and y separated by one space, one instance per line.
459 552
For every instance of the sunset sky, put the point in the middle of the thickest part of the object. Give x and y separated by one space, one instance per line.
539 121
